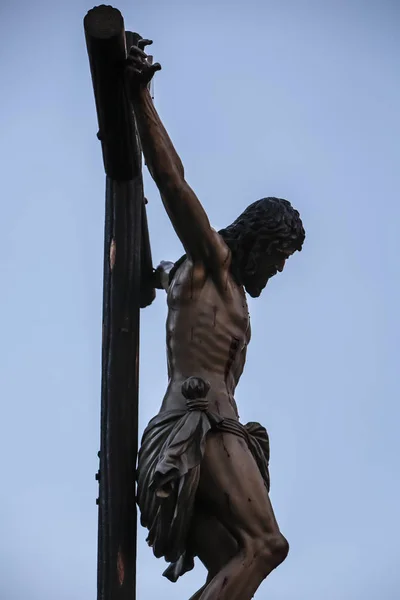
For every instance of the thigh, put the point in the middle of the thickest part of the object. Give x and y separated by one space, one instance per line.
211 541
232 488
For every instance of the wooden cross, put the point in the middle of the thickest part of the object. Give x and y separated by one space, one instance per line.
127 287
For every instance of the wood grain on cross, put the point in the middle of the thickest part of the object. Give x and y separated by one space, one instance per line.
127 287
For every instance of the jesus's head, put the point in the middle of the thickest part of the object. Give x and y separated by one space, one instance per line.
261 239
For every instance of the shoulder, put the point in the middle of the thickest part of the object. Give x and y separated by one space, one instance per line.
219 260
215 254
188 277
215 265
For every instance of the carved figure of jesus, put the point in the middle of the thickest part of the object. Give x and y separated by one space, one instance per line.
203 479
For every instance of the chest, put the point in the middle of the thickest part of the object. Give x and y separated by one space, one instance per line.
195 301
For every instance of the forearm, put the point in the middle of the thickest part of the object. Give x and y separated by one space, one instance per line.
161 157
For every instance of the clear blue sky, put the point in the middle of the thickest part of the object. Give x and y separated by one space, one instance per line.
266 97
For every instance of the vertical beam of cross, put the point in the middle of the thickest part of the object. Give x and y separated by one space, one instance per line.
127 287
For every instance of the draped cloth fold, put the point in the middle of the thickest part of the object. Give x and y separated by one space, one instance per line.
168 474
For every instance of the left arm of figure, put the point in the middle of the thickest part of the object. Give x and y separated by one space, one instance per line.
161 275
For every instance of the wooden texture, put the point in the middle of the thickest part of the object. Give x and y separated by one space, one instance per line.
127 287
105 40
119 411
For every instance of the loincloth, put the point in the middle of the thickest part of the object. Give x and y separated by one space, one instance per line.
170 456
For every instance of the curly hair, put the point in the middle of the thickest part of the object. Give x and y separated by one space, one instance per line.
267 225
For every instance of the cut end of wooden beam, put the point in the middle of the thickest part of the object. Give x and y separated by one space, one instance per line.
103 22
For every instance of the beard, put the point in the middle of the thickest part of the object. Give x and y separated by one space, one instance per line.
254 292
254 289
255 285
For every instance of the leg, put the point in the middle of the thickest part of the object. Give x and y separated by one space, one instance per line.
212 543
233 490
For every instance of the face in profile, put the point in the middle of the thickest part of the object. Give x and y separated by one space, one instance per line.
266 266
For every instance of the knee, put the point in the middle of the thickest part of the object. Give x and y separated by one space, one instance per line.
270 551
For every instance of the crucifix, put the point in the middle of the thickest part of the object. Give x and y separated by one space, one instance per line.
202 476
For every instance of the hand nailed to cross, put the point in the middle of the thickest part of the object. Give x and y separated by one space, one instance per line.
139 70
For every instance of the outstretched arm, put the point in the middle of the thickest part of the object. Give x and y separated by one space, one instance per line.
161 275
187 215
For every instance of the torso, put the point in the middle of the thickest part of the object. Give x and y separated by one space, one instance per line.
208 330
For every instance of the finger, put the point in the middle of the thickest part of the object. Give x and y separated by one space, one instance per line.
135 71
136 51
136 61
144 42
155 67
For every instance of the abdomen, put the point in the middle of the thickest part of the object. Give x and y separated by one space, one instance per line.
204 340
